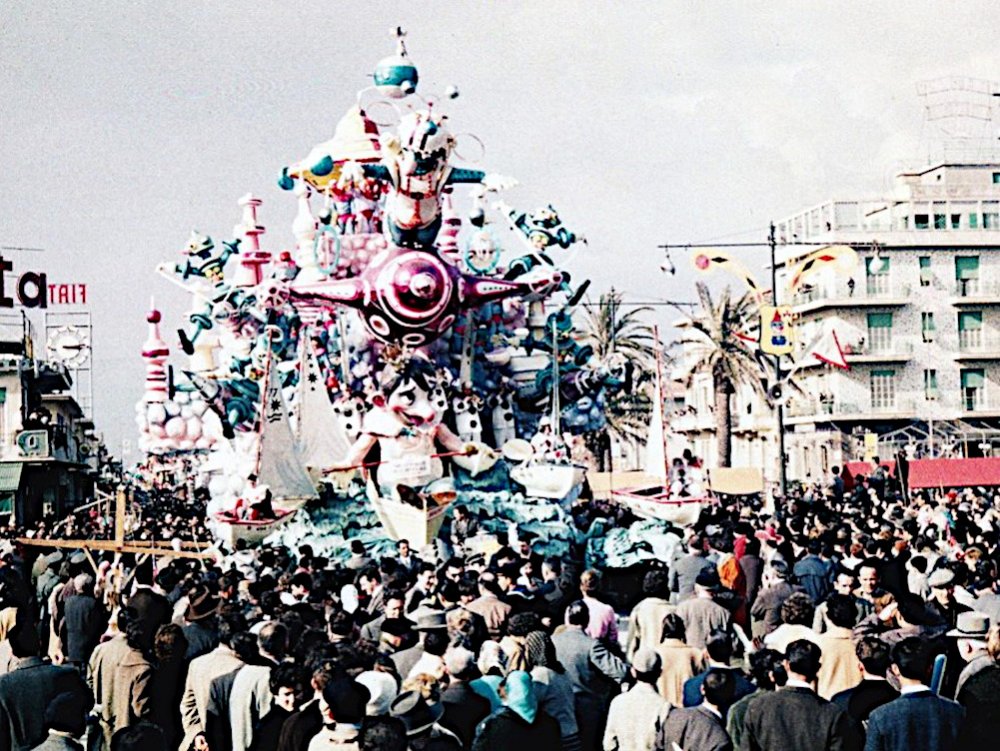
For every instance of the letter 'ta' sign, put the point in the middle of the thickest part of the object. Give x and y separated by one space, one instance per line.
32 290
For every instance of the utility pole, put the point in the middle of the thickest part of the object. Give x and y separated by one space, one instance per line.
782 470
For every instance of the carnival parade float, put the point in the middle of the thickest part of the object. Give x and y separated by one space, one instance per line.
411 346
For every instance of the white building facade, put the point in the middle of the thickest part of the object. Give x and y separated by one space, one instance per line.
918 322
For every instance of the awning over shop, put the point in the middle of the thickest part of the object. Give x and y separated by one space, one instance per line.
10 476
954 473
10 481
939 473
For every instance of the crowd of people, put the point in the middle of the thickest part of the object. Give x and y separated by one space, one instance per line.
860 618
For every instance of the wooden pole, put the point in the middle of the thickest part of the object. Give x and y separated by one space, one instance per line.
120 500
663 412
113 545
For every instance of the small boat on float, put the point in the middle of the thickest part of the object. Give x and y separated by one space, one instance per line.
656 502
548 480
414 516
542 478
655 499
251 531
279 469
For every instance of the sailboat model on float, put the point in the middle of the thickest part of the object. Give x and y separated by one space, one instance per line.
279 469
321 436
548 479
655 501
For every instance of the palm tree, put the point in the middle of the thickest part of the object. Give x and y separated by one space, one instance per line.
608 330
726 355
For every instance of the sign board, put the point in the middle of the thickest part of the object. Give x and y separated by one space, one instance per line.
871 446
776 330
33 443
411 469
32 289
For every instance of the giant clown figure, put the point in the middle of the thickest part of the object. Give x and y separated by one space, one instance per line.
406 425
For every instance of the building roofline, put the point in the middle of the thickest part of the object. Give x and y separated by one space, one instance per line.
942 165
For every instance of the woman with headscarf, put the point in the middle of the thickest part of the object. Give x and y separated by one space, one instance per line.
553 689
519 723
491 667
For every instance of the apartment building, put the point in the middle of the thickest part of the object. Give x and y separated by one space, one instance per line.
918 322
49 452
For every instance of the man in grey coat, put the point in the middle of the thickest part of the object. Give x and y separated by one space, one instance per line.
27 690
701 727
594 670
205 669
795 717
919 720
685 570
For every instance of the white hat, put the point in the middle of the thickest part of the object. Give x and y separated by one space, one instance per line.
383 690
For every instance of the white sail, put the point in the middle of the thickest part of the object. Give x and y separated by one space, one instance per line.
281 467
656 460
322 441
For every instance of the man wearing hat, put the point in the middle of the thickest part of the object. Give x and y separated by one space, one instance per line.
943 603
432 624
421 721
701 614
635 717
201 629
396 635
970 632
48 580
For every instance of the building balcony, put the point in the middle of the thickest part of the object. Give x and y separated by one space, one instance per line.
52 377
865 353
810 409
975 292
865 294
982 405
903 407
757 422
893 350
689 420
975 345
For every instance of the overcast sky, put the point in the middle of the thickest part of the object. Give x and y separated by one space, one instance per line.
123 125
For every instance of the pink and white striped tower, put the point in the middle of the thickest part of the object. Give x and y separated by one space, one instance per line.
155 352
252 258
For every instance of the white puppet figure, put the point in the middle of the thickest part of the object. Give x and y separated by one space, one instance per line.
350 412
501 404
468 424
408 428
548 445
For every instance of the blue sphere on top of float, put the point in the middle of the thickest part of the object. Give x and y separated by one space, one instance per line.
396 76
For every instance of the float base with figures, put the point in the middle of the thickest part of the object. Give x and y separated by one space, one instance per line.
397 357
